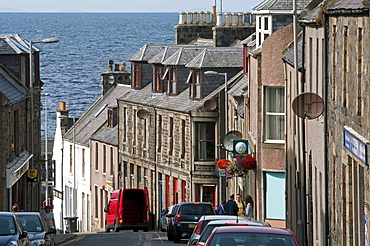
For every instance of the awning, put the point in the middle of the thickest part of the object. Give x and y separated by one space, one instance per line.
16 168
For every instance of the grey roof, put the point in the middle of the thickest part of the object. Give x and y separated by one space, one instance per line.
182 56
147 52
14 44
342 5
217 57
106 134
311 16
91 120
289 55
237 89
280 5
164 54
180 103
11 88
249 39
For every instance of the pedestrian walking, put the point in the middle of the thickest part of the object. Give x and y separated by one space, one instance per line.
240 203
48 216
230 206
249 210
220 209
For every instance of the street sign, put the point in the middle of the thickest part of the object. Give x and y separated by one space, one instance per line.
221 173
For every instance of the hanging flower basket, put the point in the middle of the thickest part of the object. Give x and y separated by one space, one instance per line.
242 164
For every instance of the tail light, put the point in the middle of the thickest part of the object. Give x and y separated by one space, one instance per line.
198 228
178 218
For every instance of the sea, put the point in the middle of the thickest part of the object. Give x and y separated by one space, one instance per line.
70 69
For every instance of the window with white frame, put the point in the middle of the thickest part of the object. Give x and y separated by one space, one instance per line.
274 114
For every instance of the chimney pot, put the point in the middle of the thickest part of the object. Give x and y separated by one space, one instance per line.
116 67
62 105
123 66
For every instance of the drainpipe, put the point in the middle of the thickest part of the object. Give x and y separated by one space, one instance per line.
325 76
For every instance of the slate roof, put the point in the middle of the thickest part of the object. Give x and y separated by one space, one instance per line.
237 89
182 56
217 57
90 121
147 52
312 15
11 88
289 55
106 134
164 54
180 103
280 5
341 5
12 44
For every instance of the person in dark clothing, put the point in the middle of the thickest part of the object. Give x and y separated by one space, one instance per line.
230 207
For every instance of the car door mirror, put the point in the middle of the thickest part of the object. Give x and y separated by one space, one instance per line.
24 234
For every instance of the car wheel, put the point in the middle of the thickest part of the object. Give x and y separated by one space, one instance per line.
146 229
116 229
169 236
107 229
135 230
176 239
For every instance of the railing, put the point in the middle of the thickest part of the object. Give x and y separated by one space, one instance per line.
222 19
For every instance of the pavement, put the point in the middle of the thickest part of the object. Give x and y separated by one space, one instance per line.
60 238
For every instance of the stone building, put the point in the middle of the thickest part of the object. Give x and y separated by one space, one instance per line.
168 136
20 145
347 125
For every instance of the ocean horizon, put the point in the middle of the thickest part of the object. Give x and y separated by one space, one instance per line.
70 69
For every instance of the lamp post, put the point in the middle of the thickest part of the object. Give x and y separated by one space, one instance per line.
46 151
226 112
226 97
74 161
48 41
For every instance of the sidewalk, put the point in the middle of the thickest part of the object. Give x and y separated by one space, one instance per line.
61 238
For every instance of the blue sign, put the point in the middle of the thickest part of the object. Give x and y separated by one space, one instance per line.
355 146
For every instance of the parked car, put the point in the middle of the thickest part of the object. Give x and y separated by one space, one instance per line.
38 231
187 217
11 230
163 221
206 222
251 235
128 209
171 220
201 240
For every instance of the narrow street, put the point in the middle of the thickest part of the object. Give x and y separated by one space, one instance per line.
117 238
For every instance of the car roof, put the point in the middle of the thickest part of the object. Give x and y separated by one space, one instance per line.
254 229
240 221
184 203
6 214
27 213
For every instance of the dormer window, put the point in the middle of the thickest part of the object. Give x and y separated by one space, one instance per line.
112 116
137 74
263 29
194 80
170 77
157 79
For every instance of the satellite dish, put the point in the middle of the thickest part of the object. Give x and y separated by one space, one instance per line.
308 105
228 140
143 114
210 105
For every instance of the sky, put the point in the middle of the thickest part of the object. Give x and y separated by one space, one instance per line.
126 5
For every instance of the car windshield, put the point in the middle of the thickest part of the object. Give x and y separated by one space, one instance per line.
31 223
196 209
206 232
7 226
248 239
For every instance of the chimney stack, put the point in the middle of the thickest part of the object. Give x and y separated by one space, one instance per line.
110 65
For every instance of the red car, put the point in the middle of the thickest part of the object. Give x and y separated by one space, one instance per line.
251 235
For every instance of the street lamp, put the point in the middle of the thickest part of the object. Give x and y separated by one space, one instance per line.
226 109
47 41
46 151
226 97
74 161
